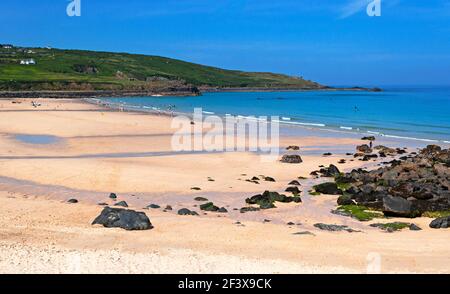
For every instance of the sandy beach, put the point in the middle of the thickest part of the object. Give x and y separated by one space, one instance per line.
90 152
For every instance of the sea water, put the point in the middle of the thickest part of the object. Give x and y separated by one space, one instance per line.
397 112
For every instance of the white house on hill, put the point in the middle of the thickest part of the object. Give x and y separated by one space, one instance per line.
28 62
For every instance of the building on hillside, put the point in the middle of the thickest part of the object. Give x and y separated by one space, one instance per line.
6 46
28 62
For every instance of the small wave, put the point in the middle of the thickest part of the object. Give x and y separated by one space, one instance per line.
303 124
286 118
375 133
208 112
346 128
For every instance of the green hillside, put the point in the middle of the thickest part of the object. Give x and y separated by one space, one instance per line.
57 69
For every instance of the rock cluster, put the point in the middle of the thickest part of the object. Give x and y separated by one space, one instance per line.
404 188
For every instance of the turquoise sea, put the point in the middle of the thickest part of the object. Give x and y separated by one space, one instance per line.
420 113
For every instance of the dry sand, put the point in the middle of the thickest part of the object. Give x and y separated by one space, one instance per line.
101 151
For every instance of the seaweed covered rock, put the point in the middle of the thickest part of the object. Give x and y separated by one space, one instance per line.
440 223
185 211
211 207
267 199
418 183
123 218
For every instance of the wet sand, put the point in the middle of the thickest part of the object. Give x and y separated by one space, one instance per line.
99 151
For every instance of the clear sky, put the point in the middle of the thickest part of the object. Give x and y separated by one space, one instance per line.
333 42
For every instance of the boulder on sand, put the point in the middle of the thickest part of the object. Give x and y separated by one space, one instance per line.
123 218
440 223
185 211
291 159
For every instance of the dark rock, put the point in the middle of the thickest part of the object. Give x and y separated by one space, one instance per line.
102 204
327 154
291 159
431 149
222 210
200 199
168 207
330 171
113 196
368 157
334 228
345 200
249 209
154 206
397 206
293 190
267 199
368 138
414 227
440 223
269 179
291 224
254 179
123 218
72 201
364 148
294 183
185 211
304 233
121 203
295 148
328 188
209 207
196 188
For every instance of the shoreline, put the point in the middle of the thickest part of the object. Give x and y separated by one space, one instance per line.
286 125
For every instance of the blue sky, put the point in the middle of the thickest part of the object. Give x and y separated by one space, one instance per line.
330 41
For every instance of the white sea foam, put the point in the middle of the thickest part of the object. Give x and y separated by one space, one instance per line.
410 138
346 128
208 112
286 118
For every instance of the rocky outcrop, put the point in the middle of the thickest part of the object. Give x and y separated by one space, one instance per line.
407 187
123 218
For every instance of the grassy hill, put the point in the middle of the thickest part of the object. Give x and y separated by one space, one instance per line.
57 69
